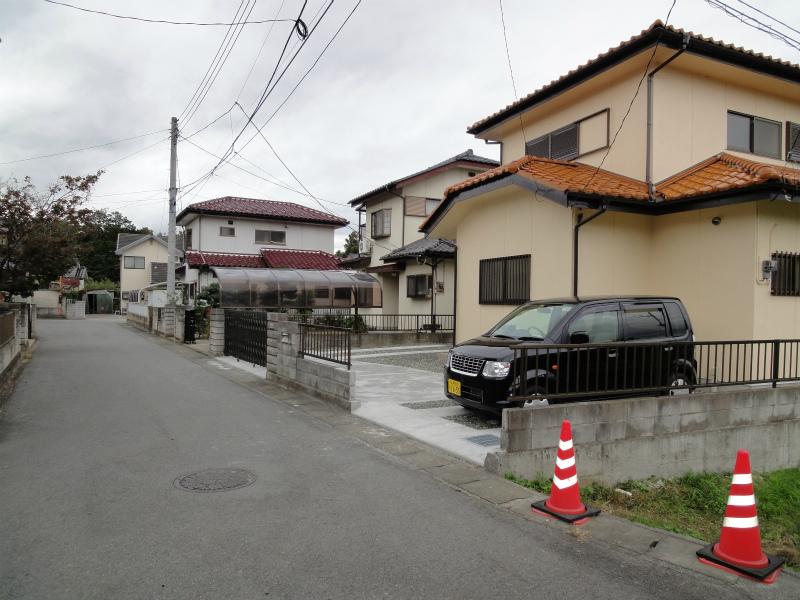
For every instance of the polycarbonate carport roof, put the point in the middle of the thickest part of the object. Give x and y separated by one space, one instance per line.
276 288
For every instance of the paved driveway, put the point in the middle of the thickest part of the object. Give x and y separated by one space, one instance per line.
103 421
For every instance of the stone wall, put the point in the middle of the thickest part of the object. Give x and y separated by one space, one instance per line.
635 438
329 381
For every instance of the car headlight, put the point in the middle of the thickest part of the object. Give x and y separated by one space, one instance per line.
496 370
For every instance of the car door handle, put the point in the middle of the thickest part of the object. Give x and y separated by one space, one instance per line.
668 349
612 354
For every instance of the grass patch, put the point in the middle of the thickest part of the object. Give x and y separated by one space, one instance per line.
694 505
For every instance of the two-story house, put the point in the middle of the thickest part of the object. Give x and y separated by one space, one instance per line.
666 165
143 262
256 234
417 275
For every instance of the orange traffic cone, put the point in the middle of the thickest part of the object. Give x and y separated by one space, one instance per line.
565 500
739 547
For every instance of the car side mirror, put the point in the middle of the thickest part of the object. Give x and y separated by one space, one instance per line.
579 337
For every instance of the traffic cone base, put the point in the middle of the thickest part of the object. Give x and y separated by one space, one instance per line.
766 574
575 519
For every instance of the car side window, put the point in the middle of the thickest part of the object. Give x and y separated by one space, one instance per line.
676 319
644 322
599 325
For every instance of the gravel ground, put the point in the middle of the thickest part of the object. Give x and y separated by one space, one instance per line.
424 362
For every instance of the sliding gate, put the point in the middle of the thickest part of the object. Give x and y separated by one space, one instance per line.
246 335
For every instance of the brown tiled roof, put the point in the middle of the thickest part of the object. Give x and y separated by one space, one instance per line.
721 173
668 36
299 259
195 258
560 175
268 209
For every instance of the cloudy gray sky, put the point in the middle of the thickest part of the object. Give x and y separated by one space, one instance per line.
393 94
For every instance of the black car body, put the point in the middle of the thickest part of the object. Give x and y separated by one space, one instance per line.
575 349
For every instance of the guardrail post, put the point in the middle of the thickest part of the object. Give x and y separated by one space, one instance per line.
776 355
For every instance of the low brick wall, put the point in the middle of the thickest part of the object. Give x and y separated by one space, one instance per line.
329 381
635 438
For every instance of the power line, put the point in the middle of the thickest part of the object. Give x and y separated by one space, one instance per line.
136 137
260 50
166 22
761 12
630 104
510 70
751 21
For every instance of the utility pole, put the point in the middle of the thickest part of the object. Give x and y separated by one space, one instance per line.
173 192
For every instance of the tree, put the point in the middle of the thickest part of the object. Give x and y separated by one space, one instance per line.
99 242
42 230
350 245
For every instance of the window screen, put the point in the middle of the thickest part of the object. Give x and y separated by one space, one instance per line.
676 319
738 132
766 137
793 141
227 231
644 323
539 147
134 262
270 236
505 280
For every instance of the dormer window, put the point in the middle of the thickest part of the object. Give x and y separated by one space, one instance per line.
747 133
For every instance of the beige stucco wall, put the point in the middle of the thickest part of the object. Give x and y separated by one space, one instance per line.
443 301
135 279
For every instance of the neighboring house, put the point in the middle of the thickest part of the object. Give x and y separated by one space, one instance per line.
393 214
143 262
252 233
703 204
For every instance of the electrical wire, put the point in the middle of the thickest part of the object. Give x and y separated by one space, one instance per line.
136 137
633 99
166 22
761 12
753 22
260 50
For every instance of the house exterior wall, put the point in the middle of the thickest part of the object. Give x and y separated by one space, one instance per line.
299 236
135 279
443 301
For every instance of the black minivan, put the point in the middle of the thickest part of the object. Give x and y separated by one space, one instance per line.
481 373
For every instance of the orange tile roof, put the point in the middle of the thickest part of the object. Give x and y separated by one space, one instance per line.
656 33
560 175
721 173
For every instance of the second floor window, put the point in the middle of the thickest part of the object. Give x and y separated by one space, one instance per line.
382 223
561 144
755 135
793 141
188 239
134 262
227 231
270 236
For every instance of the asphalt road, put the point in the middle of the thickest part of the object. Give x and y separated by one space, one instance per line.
104 419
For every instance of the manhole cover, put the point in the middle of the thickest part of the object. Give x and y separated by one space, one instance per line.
486 440
215 480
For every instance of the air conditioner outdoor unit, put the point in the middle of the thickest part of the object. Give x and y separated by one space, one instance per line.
364 247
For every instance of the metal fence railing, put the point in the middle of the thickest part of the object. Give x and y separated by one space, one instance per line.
246 335
332 344
8 327
630 368
363 323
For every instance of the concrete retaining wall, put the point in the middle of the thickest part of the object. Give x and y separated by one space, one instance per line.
329 381
617 440
382 339
216 332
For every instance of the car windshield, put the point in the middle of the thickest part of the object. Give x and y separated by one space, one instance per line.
531 322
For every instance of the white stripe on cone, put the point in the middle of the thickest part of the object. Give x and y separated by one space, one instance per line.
742 500
740 522
565 445
742 478
565 483
566 463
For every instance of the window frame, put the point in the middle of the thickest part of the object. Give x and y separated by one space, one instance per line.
494 287
785 280
792 142
593 310
631 308
549 138
381 216
125 262
270 241
752 136
187 238
228 227
425 291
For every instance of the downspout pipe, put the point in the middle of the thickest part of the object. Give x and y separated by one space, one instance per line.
580 222
651 191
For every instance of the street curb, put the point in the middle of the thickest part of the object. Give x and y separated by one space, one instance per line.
647 543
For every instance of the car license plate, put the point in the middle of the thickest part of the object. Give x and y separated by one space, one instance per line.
454 387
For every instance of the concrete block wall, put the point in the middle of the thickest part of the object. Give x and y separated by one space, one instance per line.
618 440
75 310
10 350
329 381
216 332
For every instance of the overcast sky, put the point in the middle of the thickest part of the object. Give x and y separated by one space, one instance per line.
392 95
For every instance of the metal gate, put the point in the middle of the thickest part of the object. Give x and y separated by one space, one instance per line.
246 335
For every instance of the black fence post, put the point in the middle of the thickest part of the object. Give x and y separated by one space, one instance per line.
776 354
